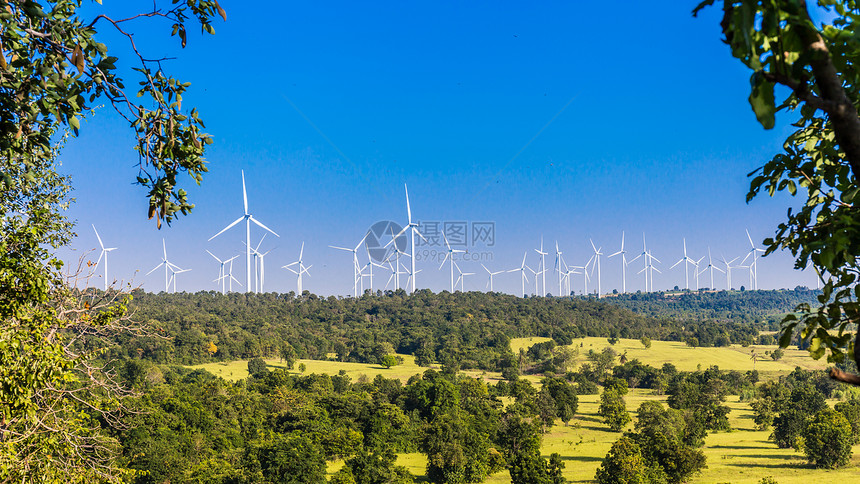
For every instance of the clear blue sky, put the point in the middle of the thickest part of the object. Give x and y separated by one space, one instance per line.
566 120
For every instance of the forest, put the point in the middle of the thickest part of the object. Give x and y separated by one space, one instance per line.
465 330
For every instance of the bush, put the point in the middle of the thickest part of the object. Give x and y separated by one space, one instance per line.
777 354
827 440
623 464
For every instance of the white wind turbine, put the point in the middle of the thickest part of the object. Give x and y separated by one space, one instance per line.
728 272
753 267
394 275
355 265
301 269
461 278
412 227
558 263
248 218
644 255
711 267
522 270
369 266
173 274
258 265
541 270
448 255
491 274
597 255
569 270
168 267
396 255
103 254
222 276
649 270
686 260
623 254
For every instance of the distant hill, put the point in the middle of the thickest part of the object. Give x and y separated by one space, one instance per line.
763 307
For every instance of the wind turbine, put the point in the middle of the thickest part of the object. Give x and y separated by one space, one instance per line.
369 267
623 254
221 275
753 267
710 267
412 227
448 255
248 218
644 255
168 266
686 260
491 274
300 270
258 268
728 271
558 264
355 264
461 278
649 270
541 269
103 253
396 255
229 275
597 255
173 276
522 271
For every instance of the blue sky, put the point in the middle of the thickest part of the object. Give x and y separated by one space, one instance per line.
561 120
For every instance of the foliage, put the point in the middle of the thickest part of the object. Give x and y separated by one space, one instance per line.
827 439
669 441
256 366
781 44
623 464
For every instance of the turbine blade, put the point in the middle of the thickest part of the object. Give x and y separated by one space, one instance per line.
408 207
228 227
244 193
302 251
263 226
154 268
97 236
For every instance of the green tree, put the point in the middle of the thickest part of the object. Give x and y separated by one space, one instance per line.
612 407
53 70
827 439
388 361
623 464
782 44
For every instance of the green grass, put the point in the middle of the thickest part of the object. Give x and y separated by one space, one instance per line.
743 455
237 370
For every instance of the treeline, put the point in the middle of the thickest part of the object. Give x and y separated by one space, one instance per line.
762 307
466 330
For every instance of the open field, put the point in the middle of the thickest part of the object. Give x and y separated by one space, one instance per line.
685 358
743 455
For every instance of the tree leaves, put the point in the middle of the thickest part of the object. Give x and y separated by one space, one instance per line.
762 101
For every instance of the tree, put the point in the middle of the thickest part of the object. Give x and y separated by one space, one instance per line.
827 439
623 464
782 45
256 366
388 361
612 407
53 70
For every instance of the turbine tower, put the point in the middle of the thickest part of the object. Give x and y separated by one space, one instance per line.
461 278
248 218
558 264
301 269
104 254
522 271
623 254
173 276
355 264
448 255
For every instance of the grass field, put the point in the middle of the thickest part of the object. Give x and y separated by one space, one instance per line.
743 455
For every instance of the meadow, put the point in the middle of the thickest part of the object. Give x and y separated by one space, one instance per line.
742 455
